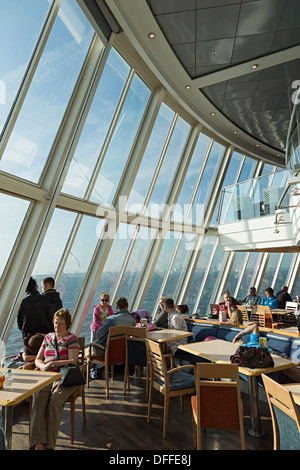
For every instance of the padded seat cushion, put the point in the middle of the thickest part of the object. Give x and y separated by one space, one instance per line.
179 380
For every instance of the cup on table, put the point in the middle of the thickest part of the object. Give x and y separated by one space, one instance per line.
2 377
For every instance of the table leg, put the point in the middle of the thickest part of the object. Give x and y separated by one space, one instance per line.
8 426
255 429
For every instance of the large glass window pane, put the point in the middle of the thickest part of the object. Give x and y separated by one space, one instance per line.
12 214
168 168
212 278
150 301
248 277
54 244
19 31
150 159
248 169
230 178
48 96
269 273
207 183
199 273
97 125
110 273
135 264
283 271
179 266
236 272
77 264
191 177
121 142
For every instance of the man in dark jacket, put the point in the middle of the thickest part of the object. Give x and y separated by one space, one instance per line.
34 315
283 296
53 296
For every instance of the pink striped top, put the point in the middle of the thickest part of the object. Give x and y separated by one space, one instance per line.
70 341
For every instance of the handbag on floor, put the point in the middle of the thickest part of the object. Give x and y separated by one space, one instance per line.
252 357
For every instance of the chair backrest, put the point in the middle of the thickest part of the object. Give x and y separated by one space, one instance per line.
80 360
291 306
219 402
213 309
115 345
258 315
268 316
285 415
244 311
158 367
135 346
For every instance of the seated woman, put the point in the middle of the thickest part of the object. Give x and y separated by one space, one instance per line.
49 402
254 336
236 317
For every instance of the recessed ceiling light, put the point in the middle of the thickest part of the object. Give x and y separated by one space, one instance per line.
257 145
151 35
235 132
254 66
212 114
188 87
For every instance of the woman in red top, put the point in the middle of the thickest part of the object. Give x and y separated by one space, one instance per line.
48 403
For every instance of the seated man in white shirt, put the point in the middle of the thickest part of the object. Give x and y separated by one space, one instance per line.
175 322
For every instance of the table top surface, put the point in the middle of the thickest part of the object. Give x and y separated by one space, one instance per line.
25 384
219 350
295 389
166 334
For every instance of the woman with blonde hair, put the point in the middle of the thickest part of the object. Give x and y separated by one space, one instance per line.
236 317
101 312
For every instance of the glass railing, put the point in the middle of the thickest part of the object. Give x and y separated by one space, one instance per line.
253 198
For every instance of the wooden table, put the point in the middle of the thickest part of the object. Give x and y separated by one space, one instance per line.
220 351
166 334
25 384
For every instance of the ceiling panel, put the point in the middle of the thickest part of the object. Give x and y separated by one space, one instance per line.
209 36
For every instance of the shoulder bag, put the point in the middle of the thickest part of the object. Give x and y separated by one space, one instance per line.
252 357
71 373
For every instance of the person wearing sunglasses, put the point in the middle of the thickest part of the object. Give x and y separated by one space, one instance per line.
101 312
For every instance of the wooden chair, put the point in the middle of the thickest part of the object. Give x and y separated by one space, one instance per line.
213 309
258 316
79 392
285 416
135 354
217 404
113 353
244 311
171 383
270 322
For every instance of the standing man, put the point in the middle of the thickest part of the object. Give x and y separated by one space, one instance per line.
34 315
48 290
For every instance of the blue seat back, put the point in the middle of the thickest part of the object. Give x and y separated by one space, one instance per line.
280 342
201 331
295 350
